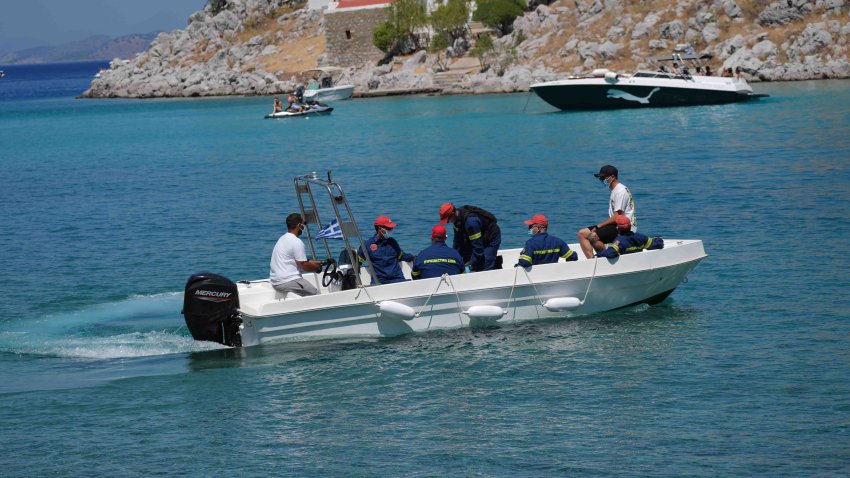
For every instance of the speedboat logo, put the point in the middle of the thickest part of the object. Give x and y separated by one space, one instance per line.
212 295
630 97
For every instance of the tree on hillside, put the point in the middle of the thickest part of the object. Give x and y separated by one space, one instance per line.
499 14
439 44
398 34
451 18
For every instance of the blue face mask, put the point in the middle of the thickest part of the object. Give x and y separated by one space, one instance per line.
530 231
606 182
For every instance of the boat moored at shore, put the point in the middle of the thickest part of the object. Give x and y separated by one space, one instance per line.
676 86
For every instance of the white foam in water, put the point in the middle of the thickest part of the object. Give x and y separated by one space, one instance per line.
138 326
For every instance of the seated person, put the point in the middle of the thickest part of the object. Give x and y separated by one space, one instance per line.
628 242
438 258
384 253
289 258
543 248
278 106
293 104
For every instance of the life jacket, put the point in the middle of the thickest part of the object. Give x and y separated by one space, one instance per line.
489 227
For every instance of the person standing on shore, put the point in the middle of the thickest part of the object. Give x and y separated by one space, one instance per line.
621 203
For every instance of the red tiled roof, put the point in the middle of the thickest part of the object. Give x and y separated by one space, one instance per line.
360 3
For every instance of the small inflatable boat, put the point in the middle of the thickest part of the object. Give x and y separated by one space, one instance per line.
309 110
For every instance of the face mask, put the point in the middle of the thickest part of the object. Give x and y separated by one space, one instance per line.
530 231
388 233
606 182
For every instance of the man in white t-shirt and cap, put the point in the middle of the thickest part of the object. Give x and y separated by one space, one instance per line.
289 258
593 238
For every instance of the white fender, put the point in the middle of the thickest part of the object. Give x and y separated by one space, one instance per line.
611 77
395 310
599 72
485 312
557 304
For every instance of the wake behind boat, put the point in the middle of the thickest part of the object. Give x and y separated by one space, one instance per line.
674 86
253 312
307 110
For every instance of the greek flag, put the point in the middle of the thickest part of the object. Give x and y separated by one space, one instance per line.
331 231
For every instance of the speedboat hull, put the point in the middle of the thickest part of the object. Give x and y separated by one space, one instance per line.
616 91
336 93
493 297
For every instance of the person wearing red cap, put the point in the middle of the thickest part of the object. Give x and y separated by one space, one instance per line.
543 248
628 241
385 253
477 235
593 238
438 258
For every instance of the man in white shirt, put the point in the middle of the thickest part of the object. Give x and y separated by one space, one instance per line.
289 258
593 238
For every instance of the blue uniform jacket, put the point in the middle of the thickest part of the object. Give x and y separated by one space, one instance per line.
629 242
436 260
471 246
385 256
545 249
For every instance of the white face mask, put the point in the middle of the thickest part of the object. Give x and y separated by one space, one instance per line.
388 233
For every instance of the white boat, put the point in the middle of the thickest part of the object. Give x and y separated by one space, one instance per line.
322 87
682 86
252 312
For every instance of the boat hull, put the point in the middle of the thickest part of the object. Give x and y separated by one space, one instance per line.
455 301
325 95
599 93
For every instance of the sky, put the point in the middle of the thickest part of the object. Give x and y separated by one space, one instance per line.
32 23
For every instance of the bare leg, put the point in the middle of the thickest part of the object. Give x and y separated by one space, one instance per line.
585 237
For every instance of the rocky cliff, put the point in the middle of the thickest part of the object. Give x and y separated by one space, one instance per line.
256 47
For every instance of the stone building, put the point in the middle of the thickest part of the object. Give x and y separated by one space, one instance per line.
348 31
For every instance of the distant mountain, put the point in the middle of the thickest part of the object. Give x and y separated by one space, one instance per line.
99 47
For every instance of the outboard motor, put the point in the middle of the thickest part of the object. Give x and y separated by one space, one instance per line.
211 309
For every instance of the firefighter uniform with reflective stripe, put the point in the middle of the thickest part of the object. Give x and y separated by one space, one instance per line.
436 260
477 240
629 242
545 249
385 254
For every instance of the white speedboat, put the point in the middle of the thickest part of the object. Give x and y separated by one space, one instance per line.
307 110
252 312
322 85
678 85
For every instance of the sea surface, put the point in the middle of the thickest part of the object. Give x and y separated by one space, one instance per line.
107 207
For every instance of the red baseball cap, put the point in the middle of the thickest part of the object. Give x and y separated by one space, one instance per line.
538 219
385 221
623 222
446 210
438 231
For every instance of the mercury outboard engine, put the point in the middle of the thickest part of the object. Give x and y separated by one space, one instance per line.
211 309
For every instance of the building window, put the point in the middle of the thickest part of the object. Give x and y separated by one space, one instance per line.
348 34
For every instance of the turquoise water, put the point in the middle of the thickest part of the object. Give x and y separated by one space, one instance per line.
107 206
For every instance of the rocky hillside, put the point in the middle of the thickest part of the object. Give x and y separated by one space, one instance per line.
256 47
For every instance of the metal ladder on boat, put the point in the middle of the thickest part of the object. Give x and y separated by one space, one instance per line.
306 188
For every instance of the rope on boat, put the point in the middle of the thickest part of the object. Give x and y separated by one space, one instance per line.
431 318
457 298
510 297
595 262
374 302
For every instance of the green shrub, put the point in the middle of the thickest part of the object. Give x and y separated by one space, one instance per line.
499 14
217 5
384 36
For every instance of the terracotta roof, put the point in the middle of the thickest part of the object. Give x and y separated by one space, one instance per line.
360 3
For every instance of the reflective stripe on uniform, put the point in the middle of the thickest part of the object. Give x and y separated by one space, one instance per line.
475 236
